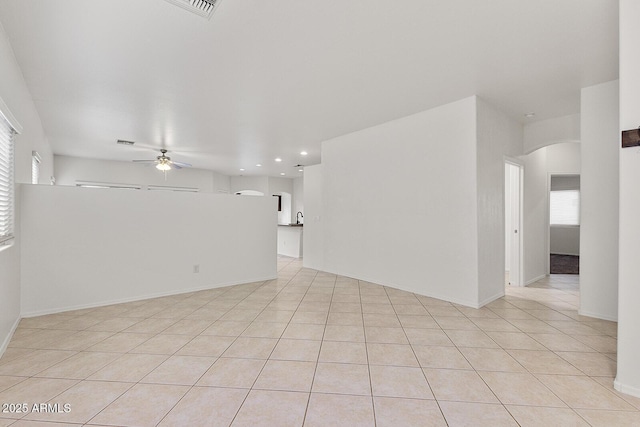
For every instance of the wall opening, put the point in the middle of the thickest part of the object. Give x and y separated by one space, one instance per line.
564 224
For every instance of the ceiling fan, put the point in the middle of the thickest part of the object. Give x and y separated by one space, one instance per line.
164 162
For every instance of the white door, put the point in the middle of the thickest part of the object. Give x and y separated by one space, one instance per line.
513 241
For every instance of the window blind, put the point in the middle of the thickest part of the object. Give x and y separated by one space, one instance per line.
564 207
35 167
6 181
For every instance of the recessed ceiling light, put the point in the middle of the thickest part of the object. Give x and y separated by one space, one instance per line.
530 115
300 170
241 169
278 159
259 165
281 173
303 153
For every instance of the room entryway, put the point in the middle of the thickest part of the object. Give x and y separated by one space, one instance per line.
564 224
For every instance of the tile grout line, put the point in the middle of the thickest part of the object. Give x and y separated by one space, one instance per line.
272 350
315 371
366 349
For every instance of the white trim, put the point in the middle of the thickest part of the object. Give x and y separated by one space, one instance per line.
548 144
7 339
466 303
491 299
626 389
598 316
7 243
6 113
547 225
6 240
535 279
143 297
514 161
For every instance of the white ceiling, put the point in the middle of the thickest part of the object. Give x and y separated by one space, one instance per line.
266 79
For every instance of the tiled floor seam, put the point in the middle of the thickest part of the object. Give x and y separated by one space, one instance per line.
420 365
272 350
315 371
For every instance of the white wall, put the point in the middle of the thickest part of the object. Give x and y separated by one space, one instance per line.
72 169
600 201
280 185
389 219
84 247
16 96
313 241
551 131
534 214
628 377
564 240
221 183
564 159
497 136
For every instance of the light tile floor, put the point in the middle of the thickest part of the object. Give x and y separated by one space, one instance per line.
314 349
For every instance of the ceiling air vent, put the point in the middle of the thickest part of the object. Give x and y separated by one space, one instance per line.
203 8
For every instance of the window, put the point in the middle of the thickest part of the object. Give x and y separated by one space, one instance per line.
564 207
89 184
6 181
164 188
35 167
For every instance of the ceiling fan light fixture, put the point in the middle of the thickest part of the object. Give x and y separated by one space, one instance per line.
163 166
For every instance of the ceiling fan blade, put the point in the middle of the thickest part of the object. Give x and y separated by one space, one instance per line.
181 165
144 161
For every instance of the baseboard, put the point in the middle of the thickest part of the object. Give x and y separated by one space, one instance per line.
626 389
535 279
598 316
563 253
7 339
466 303
141 297
491 299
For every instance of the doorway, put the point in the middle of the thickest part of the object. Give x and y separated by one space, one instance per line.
513 175
564 224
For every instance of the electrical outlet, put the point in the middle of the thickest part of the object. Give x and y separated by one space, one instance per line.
196 268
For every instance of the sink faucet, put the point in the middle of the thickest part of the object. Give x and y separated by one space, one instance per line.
298 218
